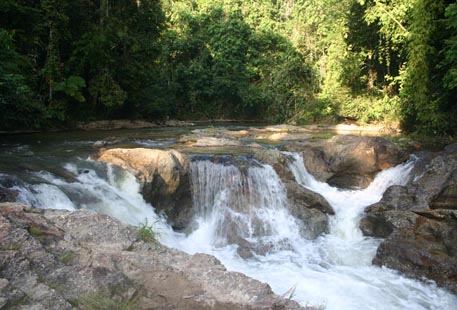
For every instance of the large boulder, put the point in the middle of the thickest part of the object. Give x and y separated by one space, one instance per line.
277 160
390 213
54 259
310 208
434 187
362 155
348 161
164 178
427 249
419 221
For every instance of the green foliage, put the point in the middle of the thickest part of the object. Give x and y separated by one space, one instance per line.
67 257
72 87
16 98
282 61
102 301
146 233
35 231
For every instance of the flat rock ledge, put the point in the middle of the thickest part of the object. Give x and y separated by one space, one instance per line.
54 259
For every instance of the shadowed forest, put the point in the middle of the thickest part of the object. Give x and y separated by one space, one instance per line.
295 61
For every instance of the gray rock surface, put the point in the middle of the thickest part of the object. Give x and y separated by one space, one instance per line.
54 259
310 208
426 249
419 221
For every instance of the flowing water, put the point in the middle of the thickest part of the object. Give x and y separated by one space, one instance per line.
237 204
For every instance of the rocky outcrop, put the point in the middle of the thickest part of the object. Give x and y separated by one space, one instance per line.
310 208
164 177
391 213
7 195
54 259
348 161
419 221
277 160
305 205
428 248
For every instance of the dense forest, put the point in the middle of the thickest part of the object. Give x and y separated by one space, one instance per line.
294 61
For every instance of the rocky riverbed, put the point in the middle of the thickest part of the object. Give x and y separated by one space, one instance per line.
51 259
55 259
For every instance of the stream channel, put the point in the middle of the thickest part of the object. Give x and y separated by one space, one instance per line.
333 272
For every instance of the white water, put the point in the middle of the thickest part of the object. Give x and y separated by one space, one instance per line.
334 270
98 187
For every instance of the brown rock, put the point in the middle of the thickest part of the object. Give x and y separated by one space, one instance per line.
428 249
348 161
164 176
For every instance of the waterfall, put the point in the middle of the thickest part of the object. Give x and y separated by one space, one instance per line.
242 206
95 186
334 271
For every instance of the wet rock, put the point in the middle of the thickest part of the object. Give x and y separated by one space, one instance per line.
447 198
302 197
383 223
277 160
351 161
421 241
350 181
7 195
432 188
316 162
164 177
427 249
73 260
390 213
435 186
310 208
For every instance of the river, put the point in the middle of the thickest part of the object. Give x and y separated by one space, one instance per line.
333 272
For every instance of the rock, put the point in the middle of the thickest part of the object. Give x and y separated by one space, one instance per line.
310 208
383 223
348 161
277 160
447 198
7 195
428 249
303 197
55 259
435 186
350 181
164 178
362 155
215 142
316 162
421 241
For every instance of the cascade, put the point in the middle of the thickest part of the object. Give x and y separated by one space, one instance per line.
242 205
246 206
334 271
